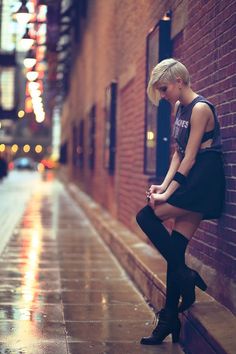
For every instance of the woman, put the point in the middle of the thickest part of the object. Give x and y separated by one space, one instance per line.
193 190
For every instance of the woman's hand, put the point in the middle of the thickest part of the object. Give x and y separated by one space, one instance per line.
155 188
156 198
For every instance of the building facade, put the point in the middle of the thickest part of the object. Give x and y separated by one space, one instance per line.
116 143
22 132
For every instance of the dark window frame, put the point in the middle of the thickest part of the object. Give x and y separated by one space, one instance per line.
80 148
63 159
157 119
109 150
92 135
75 157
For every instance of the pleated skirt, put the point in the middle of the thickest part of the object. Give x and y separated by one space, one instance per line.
204 190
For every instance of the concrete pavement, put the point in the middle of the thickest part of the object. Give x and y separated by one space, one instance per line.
203 330
15 191
61 289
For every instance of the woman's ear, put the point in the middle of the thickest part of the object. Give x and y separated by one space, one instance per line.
179 81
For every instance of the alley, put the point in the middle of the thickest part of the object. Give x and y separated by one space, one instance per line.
100 100
61 289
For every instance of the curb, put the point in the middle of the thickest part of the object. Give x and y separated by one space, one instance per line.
207 328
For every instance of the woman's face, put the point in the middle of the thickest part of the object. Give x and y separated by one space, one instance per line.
170 91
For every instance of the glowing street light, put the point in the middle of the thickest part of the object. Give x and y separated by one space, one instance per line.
14 148
26 148
38 149
32 75
26 41
34 85
30 59
22 15
21 114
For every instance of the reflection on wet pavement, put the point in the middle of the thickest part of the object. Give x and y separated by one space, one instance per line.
61 290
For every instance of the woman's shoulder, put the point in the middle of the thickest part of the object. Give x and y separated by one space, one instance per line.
203 106
204 100
201 111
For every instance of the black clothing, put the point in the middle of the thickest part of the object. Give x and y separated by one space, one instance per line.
207 136
182 127
154 229
204 189
172 248
179 245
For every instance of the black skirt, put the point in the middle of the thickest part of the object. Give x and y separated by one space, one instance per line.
204 190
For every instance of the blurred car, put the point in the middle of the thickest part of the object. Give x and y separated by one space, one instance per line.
49 164
23 163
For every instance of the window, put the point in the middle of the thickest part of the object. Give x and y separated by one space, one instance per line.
63 153
75 145
110 128
7 86
150 109
157 119
92 132
78 144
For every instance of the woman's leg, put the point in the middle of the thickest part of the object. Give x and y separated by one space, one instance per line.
154 229
184 228
180 279
150 222
172 249
187 224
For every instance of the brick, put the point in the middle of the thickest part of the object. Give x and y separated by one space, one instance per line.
227 59
229 208
108 50
231 183
230 145
229 234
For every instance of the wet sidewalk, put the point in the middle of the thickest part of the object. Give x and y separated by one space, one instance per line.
61 289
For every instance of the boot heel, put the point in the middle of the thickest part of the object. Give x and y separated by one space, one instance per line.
176 333
200 282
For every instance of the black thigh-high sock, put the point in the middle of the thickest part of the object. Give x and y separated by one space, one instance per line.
172 292
155 231
179 243
171 248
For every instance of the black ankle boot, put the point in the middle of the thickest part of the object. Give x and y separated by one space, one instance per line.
187 279
168 323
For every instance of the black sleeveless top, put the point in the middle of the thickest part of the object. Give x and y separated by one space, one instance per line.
182 128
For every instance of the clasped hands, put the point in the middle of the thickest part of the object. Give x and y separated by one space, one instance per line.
155 195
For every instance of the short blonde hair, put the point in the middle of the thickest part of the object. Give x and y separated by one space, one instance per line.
166 71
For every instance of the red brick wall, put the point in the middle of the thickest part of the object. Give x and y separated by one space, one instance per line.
113 46
208 47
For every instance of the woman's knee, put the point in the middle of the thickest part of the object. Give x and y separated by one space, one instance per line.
160 213
144 214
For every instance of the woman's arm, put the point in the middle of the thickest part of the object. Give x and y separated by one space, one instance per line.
174 165
199 119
